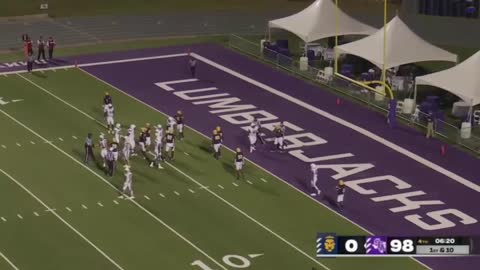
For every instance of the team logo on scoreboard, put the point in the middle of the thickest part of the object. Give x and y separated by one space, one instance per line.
376 245
326 243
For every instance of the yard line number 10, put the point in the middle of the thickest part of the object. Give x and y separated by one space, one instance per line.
235 261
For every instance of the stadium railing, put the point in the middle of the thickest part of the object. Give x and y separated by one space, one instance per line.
443 129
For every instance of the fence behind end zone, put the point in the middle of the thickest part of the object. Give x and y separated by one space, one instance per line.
443 129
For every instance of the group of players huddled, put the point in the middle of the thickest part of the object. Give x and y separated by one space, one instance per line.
163 146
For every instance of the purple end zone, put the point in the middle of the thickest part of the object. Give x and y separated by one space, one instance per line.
139 78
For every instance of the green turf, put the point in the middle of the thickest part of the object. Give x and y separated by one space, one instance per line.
241 220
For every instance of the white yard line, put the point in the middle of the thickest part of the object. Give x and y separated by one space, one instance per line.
3 219
252 162
146 197
115 202
263 180
100 204
176 193
62 220
19 216
32 142
161 195
114 188
235 184
74 137
68 209
4 147
345 123
250 182
191 190
84 207
220 186
61 139
67 67
8 261
36 214
19 145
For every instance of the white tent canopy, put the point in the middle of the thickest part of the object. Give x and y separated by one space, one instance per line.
317 21
462 80
403 47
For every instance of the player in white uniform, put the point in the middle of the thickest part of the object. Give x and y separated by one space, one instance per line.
126 149
171 123
116 133
252 136
109 113
158 147
103 149
131 139
314 170
127 184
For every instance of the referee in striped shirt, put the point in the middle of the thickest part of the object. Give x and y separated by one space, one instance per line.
110 162
89 149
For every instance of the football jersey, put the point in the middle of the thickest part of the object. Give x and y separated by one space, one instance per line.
110 112
239 157
340 190
169 138
179 119
216 139
128 177
103 143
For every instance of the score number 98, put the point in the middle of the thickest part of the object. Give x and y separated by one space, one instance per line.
401 246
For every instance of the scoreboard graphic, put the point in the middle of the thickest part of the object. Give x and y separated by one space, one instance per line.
331 245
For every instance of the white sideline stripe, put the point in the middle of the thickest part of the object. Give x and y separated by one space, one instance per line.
114 188
84 206
176 193
235 184
62 220
263 180
254 163
345 123
249 217
161 195
8 261
36 214
19 216
67 67
220 186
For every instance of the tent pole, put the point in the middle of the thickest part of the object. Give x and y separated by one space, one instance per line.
269 34
384 71
415 94
335 55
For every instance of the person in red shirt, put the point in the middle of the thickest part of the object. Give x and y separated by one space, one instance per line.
51 45
29 46
25 47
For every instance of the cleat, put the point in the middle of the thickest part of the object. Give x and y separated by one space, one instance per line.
160 167
313 194
151 165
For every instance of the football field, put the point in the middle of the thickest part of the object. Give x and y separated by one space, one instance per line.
58 213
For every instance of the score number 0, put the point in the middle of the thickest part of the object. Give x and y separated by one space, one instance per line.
402 246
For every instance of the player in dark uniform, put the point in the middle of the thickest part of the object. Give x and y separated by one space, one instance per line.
216 143
107 99
142 140
110 162
170 144
179 118
239 162
148 132
89 145
278 137
340 193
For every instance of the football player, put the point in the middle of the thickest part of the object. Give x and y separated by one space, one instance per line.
170 144
158 148
179 119
116 133
103 149
126 149
340 193
142 143
217 143
258 124
148 140
239 162
109 113
278 137
131 139
127 184
252 136
107 99
171 123
314 170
